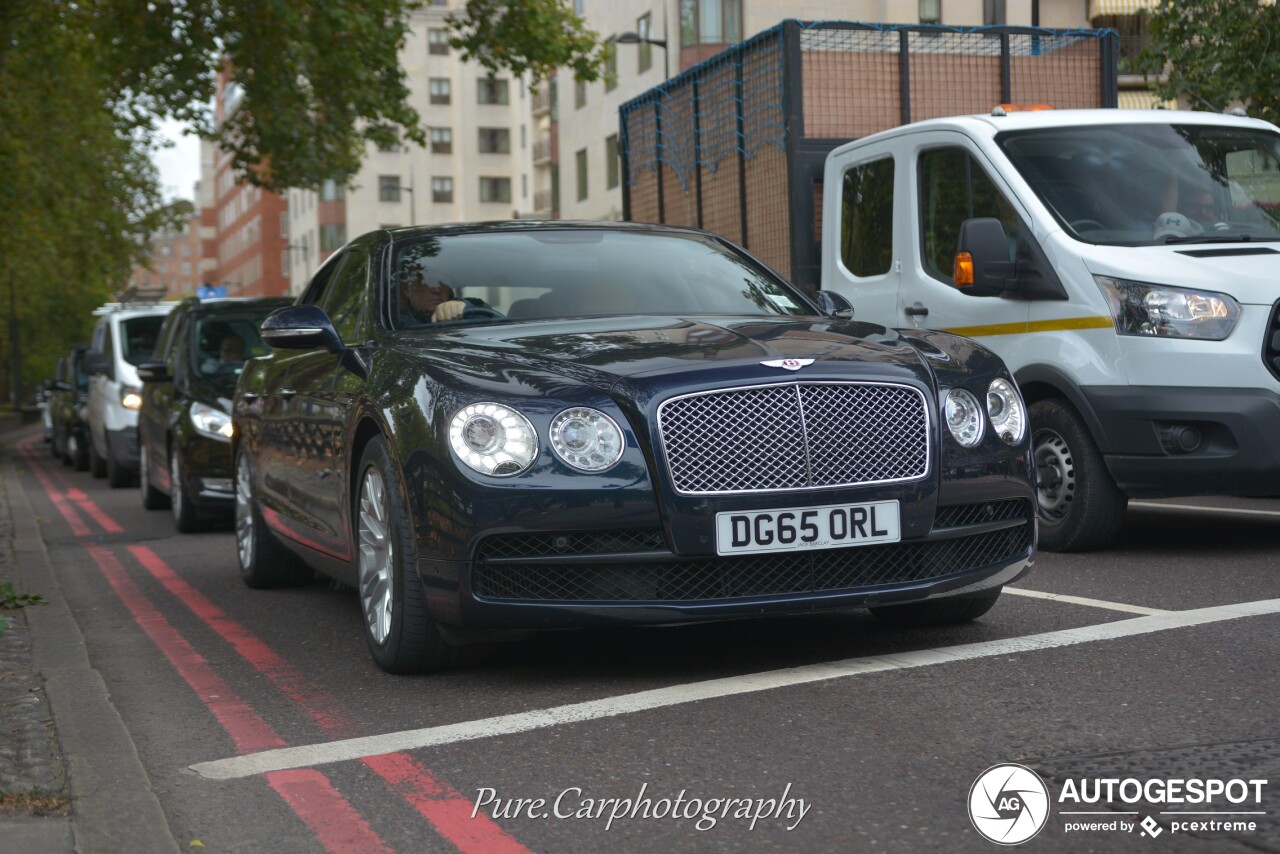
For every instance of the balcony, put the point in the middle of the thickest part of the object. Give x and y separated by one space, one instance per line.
542 150
542 100
542 200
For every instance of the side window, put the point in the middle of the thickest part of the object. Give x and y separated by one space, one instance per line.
108 346
344 299
953 188
866 218
168 330
314 292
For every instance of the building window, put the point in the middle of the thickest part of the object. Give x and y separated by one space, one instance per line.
442 190
441 90
524 186
284 261
332 236
442 140
491 91
524 137
930 11
579 94
610 67
644 24
389 188
582 174
284 225
710 22
438 41
495 140
332 191
389 147
611 164
495 189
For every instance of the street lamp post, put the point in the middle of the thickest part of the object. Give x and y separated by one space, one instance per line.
636 38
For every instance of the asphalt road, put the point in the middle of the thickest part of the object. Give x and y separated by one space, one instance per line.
835 731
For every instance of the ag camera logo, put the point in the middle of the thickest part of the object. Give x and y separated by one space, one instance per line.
1008 804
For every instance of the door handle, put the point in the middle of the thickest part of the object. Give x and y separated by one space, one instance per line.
916 310
287 393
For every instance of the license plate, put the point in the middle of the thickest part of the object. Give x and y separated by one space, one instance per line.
834 526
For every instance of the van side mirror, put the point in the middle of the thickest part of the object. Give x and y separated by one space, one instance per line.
982 267
153 372
95 363
300 327
835 305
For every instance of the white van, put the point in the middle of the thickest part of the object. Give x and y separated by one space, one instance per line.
123 338
1126 266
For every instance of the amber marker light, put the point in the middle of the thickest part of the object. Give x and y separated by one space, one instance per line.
962 271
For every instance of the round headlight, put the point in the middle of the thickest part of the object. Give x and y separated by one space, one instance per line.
586 439
493 439
964 417
1007 413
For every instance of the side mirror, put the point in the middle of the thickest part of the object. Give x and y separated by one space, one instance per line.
154 372
95 363
835 305
982 266
300 327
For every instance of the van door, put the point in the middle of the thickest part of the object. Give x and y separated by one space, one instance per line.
861 255
949 182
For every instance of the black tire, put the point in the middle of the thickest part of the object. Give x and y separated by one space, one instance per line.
79 453
1081 508
152 498
939 612
412 643
185 516
97 465
117 475
264 563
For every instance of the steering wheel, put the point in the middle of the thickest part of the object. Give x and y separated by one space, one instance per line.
1086 225
480 312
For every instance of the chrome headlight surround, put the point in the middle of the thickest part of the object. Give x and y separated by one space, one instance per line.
1007 411
493 439
211 421
1147 310
963 415
587 439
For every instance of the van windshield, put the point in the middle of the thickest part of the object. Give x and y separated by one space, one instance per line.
1149 184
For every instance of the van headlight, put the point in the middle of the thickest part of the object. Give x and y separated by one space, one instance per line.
964 417
211 421
493 439
1139 308
1005 409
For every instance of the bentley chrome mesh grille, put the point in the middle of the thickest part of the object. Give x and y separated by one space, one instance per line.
795 436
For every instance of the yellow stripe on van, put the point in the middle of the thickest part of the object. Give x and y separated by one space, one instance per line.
1058 325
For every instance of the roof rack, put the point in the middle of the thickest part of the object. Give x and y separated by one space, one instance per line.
112 307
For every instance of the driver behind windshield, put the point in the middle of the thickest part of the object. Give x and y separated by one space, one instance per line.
432 298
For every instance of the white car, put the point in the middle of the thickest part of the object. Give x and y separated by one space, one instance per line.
123 337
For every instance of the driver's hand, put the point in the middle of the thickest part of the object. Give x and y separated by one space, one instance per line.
450 310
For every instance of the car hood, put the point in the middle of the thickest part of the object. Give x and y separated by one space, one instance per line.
1246 271
603 351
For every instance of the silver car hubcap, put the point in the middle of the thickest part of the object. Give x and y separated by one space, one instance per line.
244 519
175 487
376 555
142 469
1055 475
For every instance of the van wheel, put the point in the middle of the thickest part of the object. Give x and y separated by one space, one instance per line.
939 612
263 562
152 498
117 475
401 634
1081 508
97 465
79 454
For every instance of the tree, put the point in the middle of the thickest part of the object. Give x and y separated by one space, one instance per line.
1218 53
534 36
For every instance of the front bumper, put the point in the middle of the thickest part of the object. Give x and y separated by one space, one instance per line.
570 579
1150 453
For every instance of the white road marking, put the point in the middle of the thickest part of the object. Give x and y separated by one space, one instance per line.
376 745
1080 600
1196 508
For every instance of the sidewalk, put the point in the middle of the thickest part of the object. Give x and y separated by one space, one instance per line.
65 755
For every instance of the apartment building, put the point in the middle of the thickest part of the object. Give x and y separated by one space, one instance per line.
477 165
174 267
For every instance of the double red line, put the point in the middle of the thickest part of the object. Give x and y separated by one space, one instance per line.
335 822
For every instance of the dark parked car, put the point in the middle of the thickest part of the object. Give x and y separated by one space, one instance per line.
184 423
66 408
627 424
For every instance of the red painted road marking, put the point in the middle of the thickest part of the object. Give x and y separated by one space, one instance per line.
88 505
78 527
448 810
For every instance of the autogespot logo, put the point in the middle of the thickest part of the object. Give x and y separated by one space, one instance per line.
1008 804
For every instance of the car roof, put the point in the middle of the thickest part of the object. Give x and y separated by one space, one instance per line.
532 225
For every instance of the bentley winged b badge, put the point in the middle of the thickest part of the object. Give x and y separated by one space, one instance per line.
788 364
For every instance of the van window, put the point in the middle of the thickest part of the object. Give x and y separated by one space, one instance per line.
954 188
866 218
138 337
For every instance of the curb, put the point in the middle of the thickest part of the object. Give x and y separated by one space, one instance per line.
113 807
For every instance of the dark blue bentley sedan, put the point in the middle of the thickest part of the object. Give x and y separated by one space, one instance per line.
541 425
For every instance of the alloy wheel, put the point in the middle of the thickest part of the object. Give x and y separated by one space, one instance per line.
175 485
244 514
377 556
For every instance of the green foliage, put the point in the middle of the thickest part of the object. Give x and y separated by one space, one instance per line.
534 36
1218 53
10 598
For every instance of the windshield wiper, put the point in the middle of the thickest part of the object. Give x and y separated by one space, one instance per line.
1223 238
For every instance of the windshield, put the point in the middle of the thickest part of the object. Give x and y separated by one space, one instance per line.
139 339
555 273
223 341
1147 184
